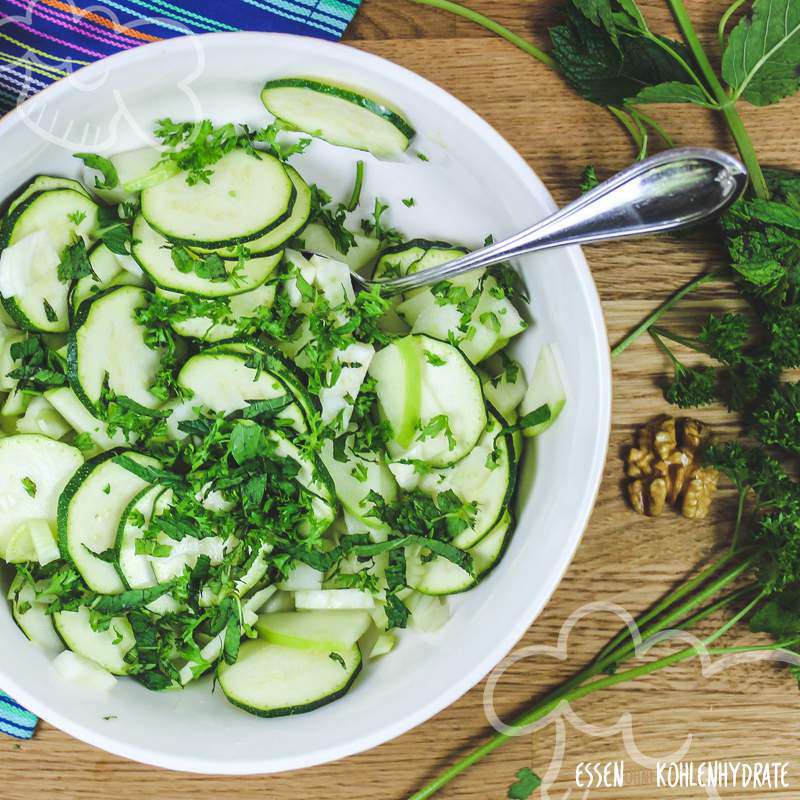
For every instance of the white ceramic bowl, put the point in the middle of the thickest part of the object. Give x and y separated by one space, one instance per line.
474 184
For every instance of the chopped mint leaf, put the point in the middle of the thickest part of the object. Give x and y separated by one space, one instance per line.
49 311
102 165
29 486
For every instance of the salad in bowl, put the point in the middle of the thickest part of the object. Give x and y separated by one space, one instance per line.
221 456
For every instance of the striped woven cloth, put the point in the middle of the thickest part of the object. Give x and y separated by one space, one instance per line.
44 40
15 720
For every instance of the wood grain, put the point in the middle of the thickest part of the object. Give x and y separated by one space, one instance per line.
749 713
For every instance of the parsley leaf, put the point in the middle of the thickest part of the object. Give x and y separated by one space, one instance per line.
526 784
36 367
74 262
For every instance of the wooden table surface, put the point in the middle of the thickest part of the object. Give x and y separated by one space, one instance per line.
745 713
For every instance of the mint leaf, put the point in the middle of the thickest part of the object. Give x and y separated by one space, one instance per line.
49 311
526 784
103 165
672 92
245 443
761 62
130 600
608 73
599 13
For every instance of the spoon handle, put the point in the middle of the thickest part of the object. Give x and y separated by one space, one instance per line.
671 190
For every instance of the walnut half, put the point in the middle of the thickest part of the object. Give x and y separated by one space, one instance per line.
664 467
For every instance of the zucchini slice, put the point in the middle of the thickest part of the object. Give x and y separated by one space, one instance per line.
275 239
89 512
486 476
242 307
317 239
431 397
106 648
314 630
413 256
355 478
35 470
44 183
269 680
66 402
338 115
136 169
222 382
106 343
33 239
283 369
153 254
398 371
546 388
440 576
108 272
314 477
135 570
31 616
247 196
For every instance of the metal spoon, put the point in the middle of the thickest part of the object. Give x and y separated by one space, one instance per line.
671 190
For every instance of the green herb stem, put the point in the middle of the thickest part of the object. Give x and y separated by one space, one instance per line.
718 605
541 710
735 124
656 40
737 617
723 23
652 318
669 600
648 120
491 25
633 129
686 341
674 615
577 686
355 195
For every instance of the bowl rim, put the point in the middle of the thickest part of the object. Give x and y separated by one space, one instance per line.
586 502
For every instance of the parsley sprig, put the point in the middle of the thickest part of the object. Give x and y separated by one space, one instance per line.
609 54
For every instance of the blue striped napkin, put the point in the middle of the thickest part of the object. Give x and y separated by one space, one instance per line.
15 720
44 40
